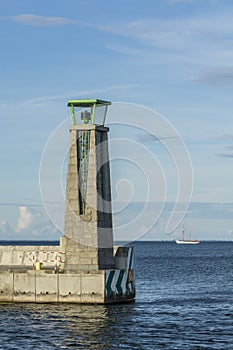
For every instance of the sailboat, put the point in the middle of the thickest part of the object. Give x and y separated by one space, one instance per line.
187 241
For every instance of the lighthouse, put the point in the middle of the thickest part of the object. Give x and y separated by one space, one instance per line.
88 217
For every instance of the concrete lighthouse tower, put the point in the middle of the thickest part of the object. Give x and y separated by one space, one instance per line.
88 219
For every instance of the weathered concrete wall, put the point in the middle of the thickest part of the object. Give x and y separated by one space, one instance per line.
6 286
78 256
46 287
20 255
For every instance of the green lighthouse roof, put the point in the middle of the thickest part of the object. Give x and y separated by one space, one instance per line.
88 103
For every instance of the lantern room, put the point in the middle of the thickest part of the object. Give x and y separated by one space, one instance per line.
88 111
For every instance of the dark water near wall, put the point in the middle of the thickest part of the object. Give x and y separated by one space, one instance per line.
184 301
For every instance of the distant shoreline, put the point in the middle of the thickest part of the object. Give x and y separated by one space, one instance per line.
56 242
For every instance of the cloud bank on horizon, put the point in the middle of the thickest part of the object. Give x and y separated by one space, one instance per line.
33 224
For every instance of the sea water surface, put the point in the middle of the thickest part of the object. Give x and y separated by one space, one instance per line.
184 301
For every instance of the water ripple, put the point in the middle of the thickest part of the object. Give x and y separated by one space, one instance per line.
172 310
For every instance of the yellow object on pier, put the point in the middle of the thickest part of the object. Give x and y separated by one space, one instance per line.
38 266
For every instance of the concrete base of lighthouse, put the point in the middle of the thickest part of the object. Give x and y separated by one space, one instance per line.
20 281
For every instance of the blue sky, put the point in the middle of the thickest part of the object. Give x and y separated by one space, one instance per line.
174 56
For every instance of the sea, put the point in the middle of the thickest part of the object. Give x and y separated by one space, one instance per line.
184 301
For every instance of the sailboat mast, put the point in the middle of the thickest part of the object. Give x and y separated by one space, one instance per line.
183 233
190 233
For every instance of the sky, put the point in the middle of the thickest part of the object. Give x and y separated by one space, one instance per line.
173 57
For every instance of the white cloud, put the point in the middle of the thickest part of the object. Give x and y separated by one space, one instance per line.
38 101
25 219
203 40
227 151
29 19
225 155
225 137
221 76
31 224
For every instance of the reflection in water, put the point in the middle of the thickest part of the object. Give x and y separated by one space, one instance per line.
97 327
88 327
64 326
